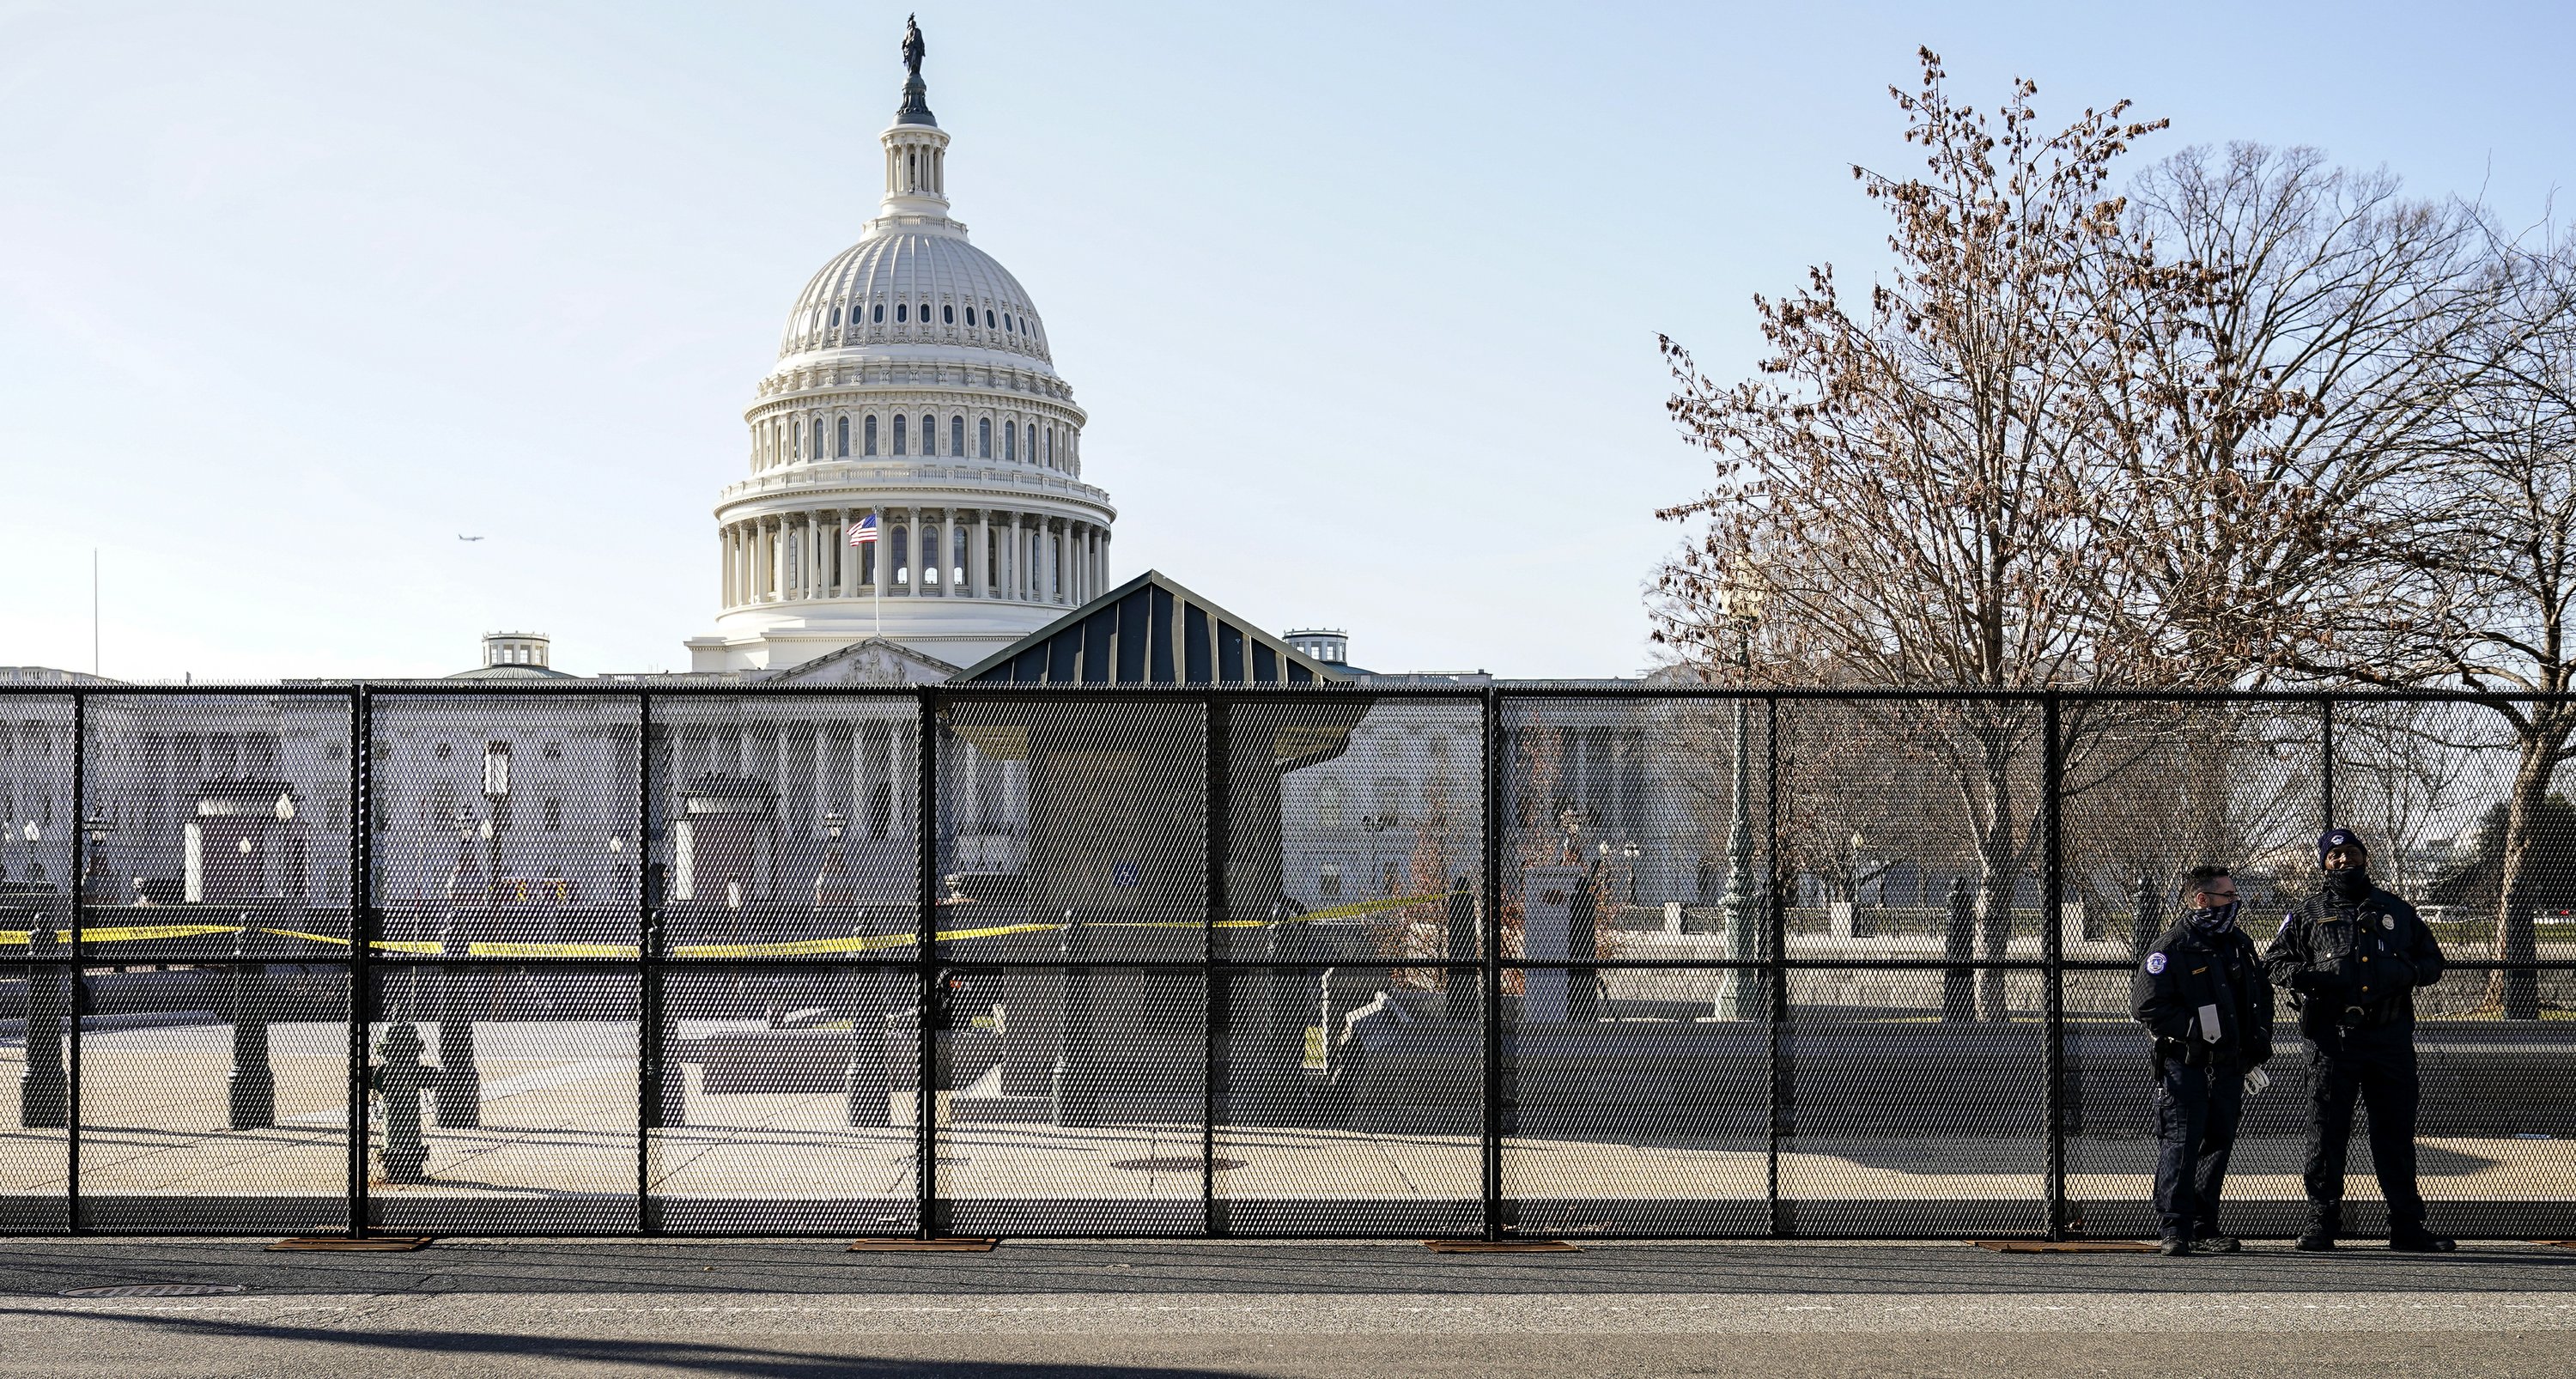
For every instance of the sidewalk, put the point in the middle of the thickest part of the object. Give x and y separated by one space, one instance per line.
1178 1311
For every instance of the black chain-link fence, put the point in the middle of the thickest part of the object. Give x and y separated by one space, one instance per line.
1523 959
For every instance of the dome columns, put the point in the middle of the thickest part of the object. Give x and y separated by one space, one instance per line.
922 551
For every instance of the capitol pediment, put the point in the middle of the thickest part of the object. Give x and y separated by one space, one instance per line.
875 661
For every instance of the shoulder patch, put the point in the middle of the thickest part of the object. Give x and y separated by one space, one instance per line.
2388 921
2155 963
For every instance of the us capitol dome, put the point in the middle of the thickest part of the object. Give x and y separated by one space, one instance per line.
913 385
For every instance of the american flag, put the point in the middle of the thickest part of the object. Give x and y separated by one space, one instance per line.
864 531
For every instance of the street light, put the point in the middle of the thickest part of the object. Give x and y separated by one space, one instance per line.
1740 995
828 886
459 1080
95 876
1376 824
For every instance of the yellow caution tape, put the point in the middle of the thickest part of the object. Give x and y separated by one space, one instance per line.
550 950
856 943
127 934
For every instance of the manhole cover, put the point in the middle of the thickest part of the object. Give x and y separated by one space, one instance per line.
154 1290
1172 1163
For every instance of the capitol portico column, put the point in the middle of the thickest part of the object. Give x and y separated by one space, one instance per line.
980 567
876 554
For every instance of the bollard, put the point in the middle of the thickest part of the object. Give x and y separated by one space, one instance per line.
1583 943
44 1093
1958 945
400 1079
1461 1002
1075 1095
253 1082
867 1087
460 1082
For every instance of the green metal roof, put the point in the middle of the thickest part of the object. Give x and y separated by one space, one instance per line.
1150 631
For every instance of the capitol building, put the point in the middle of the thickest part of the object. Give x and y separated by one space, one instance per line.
914 383
914 510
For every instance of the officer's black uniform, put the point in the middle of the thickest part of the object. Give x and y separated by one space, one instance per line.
2351 964
2200 1085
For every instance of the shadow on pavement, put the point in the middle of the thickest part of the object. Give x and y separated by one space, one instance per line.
628 1355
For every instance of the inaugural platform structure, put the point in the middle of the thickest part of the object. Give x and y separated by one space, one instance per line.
914 385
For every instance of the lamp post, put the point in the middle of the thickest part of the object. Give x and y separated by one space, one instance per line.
97 883
1376 825
829 887
1741 994
460 1082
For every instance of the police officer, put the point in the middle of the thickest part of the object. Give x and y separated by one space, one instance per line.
2351 957
2201 993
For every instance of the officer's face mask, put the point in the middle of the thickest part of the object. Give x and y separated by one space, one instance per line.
2213 919
2348 885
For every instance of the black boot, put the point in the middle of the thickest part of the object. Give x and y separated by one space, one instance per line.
2324 1221
2209 1241
2415 1239
2175 1243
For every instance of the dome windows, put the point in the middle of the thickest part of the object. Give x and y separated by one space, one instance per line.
836 316
929 436
988 318
841 442
1006 324
898 431
984 438
877 316
898 313
1011 441
957 437
868 436
817 451
948 315
924 317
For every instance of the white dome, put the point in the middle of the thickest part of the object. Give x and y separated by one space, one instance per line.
916 466
878 290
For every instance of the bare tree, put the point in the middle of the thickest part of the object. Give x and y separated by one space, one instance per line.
1910 481
2286 350
2474 572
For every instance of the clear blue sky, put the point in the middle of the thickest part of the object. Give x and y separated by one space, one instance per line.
1362 298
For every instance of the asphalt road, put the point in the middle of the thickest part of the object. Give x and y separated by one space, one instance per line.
1181 1310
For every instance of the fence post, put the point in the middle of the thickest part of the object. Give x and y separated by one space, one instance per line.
650 1074
1497 783
2053 945
362 899
2326 760
1213 985
75 990
1784 1220
925 823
